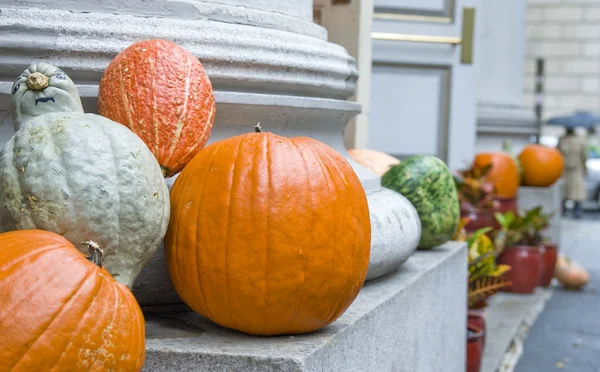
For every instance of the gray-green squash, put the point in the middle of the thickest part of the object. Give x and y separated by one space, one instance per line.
42 89
82 176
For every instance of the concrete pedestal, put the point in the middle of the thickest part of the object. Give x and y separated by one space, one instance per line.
412 320
550 198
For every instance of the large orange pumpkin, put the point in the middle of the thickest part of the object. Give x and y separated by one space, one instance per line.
161 92
504 173
542 165
61 312
268 235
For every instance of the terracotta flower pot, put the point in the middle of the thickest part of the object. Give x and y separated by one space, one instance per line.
476 318
549 254
506 204
525 262
474 348
479 218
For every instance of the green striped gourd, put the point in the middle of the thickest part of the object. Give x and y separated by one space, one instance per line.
428 184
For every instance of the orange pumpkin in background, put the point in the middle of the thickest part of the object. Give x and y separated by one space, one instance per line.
504 173
377 161
542 165
268 235
161 92
61 312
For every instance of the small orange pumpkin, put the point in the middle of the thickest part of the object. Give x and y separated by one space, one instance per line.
542 165
161 92
61 312
504 173
377 161
268 235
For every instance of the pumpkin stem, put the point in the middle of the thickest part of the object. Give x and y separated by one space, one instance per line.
258 128
37 81
95 252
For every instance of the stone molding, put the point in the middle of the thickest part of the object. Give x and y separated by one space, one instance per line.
237 57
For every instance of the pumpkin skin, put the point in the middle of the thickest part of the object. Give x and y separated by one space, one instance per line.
161 92
85 177
542 165
61 312
269 235
376 161
41 89
504 173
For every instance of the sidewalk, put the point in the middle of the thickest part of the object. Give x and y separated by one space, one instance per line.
566 335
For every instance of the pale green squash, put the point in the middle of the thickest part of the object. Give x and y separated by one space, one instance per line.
84 177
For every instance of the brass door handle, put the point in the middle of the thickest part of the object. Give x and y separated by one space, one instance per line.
466 40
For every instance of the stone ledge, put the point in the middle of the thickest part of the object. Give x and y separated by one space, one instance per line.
550 198
410 320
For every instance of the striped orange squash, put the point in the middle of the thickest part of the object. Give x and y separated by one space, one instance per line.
161 92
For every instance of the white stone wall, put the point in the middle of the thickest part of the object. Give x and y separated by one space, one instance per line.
567 34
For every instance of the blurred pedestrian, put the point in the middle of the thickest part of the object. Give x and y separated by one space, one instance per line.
574 150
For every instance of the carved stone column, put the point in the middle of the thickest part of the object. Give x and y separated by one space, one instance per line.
267 60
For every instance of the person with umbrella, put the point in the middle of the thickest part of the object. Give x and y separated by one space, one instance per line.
574 151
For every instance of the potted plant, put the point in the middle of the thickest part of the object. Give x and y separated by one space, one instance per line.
485 275
476 196
520 247
485 279
475 345
538 221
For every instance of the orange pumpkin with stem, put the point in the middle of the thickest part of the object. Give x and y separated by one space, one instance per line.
504 173
268 235
542 165
61 312
161 92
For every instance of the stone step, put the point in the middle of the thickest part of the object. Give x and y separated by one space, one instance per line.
508 318
409 320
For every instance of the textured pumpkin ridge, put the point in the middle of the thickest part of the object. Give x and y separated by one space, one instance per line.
75 330
179 124
203 307
126 105
338 310
6 269
35 339
199 250
86 357
7 312
327 175
140 329
186 158
231 188
312 218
